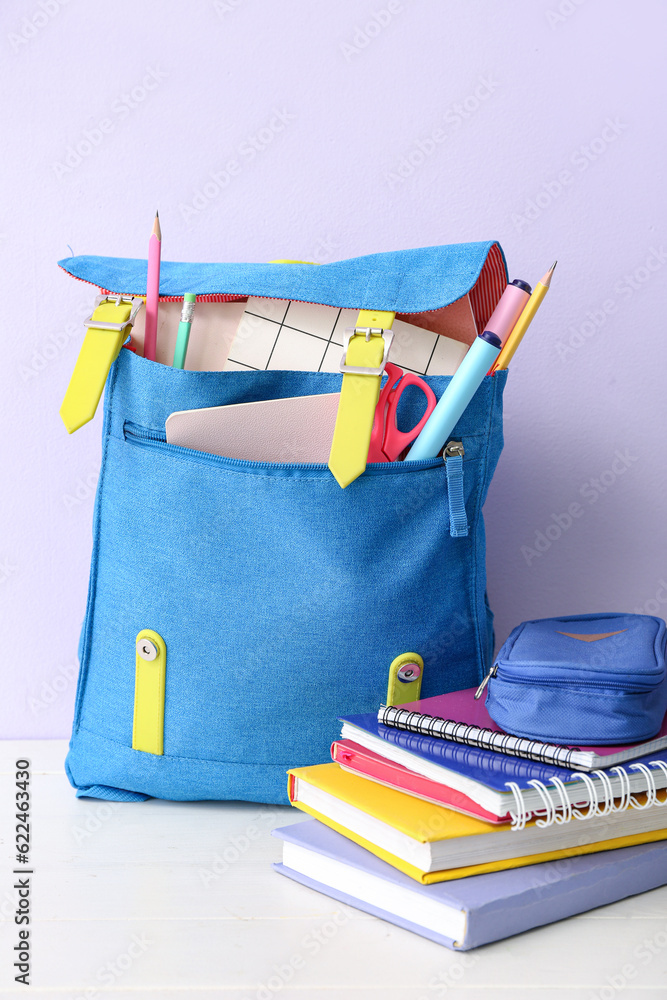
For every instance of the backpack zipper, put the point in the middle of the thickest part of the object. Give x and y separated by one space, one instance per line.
458 521
139 435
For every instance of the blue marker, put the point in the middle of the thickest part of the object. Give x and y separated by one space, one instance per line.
463 386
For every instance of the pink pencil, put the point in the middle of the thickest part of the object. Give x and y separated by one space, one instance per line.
152 290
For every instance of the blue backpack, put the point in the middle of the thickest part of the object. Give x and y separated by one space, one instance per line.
278 599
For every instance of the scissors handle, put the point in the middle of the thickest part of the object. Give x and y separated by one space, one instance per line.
375 451
396 441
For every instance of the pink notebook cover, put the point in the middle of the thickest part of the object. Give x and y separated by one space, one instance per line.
353 757
460 706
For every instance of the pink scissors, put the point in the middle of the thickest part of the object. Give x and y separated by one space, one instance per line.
387 442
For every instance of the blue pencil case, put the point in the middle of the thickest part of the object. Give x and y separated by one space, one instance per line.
593 680
273 600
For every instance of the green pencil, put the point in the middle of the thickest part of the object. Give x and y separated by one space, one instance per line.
184 329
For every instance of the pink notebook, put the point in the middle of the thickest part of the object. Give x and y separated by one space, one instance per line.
360 760
460 707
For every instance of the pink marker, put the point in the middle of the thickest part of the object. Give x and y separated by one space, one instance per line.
511 305
153 290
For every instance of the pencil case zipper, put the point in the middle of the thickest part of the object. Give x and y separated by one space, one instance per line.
146 437
597 681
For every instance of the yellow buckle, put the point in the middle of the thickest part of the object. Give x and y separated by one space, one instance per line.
366 350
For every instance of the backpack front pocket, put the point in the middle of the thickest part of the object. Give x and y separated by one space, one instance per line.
254 573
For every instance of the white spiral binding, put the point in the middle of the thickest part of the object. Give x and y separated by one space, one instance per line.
549 806
592 797
608 806
520 814
650 787
600 796
565 805
624 780
661 764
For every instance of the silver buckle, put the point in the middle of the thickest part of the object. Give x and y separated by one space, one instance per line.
136 301
369 331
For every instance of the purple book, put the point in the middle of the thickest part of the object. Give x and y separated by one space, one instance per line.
470 911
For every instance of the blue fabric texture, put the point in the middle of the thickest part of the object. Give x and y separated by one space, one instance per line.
281 598
594 680
406 281
110 794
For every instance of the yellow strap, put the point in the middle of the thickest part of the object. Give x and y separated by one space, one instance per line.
405 679
98 352
358 399
149 685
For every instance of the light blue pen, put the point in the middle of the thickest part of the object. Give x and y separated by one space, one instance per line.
183 335
463 386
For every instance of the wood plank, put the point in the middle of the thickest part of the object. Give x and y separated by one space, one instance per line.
329 951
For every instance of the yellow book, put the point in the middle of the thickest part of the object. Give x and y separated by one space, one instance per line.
433 844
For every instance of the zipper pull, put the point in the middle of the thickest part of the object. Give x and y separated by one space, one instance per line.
454 448
458 519
492 673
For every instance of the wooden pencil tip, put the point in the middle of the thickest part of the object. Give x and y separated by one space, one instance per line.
156 228
546 280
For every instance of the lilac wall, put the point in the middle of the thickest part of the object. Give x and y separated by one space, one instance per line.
550 124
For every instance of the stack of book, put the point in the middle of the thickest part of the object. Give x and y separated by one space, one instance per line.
471 835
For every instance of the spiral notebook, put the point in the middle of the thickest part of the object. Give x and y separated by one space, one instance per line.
458 717
508 785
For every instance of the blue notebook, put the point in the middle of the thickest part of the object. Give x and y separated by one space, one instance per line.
471 911
504 784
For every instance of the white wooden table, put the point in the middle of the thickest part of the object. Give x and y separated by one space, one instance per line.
175 900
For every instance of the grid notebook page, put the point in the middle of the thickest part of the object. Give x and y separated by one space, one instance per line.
300 336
